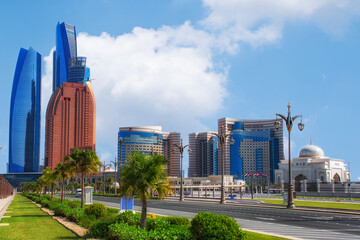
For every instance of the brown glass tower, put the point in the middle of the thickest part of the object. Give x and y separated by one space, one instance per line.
70 122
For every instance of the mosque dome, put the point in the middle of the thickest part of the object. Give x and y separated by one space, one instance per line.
311 151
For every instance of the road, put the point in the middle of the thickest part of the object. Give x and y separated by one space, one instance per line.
293 224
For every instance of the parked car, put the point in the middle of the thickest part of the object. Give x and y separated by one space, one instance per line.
78 192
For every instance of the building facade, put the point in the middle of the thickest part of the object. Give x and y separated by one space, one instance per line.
149 140
70 122
257 149
312 165
250 153
25 108
203 159
67 66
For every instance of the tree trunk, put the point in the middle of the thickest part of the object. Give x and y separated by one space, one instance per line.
82 191
143 212
62 190
52 191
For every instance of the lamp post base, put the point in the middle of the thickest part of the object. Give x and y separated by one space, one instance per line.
222 201
290 197
290 205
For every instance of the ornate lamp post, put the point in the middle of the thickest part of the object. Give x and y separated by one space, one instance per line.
222 140
289 123
104 167
120 141
115 174
181 148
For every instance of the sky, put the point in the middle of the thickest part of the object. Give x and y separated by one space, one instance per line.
184 64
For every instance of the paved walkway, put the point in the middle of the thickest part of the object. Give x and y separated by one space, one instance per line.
4 204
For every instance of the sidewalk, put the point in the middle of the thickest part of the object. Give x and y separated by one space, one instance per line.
4 204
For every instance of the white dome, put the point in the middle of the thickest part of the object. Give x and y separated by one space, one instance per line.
311 151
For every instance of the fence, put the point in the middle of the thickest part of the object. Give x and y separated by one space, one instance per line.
5 188
318 188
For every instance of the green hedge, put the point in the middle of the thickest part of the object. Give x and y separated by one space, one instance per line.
206 225
105 223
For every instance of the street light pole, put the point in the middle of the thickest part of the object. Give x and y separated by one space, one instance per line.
104 167
181 148
115 174
222 139
289 123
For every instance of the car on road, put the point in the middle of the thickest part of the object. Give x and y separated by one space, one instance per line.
78 193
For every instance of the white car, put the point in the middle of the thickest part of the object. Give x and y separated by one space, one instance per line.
78 193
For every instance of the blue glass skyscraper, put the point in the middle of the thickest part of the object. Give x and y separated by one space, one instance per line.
66 49
67 66
24 132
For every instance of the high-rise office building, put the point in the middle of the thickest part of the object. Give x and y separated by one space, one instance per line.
70 115
67 66
149 140
172 153
258 147
250 153
70 121
24 131
203 159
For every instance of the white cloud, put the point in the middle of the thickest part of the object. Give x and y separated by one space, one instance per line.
164 76
168 76
260 22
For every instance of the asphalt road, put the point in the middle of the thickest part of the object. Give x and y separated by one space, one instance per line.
295 224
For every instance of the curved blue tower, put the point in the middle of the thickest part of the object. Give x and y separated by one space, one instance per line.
24 132
66 49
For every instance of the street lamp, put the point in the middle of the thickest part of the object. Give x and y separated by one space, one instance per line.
120 141
222 140
115 174
181 148
104 167
289 123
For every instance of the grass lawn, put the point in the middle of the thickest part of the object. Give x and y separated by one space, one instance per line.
346 206
27 221
258 236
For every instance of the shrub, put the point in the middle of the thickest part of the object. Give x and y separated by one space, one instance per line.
99 229
74 204
45 203
47 197
36 199
182 221
207 225
62 209
129 217
97 209
112 210
159 223
75 214
171 233
126 232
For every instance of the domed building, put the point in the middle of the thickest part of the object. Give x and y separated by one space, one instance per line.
312 164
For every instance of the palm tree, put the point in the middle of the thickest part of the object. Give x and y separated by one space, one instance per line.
109 181
83 162
64 172
50 178
40 184
99 185
142 174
